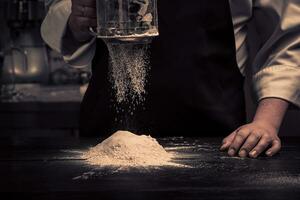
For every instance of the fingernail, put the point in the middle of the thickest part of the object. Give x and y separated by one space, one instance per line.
231 152
253 154
269 153
243 153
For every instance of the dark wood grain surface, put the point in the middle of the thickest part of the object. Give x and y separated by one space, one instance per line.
45 168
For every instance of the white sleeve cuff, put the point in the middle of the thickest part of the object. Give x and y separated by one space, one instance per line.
54 25
83 56
278 82
53 32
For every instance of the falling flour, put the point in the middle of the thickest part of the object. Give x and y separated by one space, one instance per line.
127 149
128 70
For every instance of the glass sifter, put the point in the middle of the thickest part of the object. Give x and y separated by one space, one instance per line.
126 20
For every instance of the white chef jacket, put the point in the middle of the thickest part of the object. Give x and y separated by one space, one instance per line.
267 36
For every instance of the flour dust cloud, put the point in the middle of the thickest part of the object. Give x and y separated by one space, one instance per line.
129 64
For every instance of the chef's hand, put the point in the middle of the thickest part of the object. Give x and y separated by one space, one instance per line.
260 135
251 140
83 16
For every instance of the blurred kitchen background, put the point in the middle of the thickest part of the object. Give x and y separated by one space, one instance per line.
39 93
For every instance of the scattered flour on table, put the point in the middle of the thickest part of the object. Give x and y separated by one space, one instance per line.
280 179
127 149
128 71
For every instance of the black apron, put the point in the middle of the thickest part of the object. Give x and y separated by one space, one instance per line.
194 85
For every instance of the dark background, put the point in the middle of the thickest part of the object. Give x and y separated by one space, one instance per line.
47 102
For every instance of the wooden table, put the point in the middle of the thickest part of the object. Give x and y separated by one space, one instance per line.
45 168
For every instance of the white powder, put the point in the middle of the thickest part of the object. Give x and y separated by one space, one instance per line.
128 70
127 149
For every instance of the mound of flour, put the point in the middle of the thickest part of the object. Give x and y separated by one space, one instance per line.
127 149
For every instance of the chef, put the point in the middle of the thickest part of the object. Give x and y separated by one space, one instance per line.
198 65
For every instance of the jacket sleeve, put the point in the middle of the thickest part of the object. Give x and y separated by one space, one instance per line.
54 29
276 65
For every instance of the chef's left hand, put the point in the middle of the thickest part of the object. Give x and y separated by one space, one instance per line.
260 135
251 140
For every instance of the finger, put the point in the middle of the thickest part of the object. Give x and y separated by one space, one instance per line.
260 147
140 2
238 141
250 143
276 146
90 3
84 11
85 23
227 141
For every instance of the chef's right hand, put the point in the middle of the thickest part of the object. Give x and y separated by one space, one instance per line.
83 16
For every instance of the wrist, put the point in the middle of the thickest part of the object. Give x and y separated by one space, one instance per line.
270 113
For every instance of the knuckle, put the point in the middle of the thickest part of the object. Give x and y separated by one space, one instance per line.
264 145
259 149
240 134
234 145
277 142
242 127
256 135
277 139
248 146
251 140
266 140
267 137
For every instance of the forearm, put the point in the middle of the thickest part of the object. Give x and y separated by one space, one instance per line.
270 112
